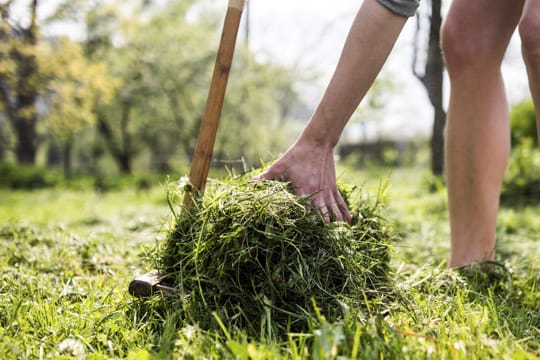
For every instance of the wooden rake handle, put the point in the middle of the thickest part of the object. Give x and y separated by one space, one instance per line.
202 156
153 282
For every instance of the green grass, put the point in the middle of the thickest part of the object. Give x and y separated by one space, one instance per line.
66 258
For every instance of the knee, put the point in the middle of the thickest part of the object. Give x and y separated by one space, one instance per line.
464 50
529 32
457 50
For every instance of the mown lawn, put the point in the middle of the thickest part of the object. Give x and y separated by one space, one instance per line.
67 256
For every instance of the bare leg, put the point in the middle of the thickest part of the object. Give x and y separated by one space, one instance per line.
475 36
309 163
529 30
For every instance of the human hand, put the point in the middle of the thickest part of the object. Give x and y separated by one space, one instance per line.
311 171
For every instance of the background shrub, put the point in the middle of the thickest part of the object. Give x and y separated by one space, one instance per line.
523 123
27 177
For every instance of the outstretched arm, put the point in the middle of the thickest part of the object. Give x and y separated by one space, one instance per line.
309 164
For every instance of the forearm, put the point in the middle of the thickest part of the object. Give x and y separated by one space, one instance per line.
368 44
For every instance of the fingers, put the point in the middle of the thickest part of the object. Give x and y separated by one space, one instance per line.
325 196
336 211
267 175
318 204
343 208
331 206
272 174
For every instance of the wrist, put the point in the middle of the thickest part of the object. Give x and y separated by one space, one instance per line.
313 139
319 136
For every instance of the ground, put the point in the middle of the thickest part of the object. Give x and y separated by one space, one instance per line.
67 256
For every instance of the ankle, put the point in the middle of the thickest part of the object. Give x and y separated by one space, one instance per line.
462 259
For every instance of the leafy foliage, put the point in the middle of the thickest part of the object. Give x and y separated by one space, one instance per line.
26 177
522 180
136 87
74 85
523 123
255 110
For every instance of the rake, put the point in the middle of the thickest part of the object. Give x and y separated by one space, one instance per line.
154 281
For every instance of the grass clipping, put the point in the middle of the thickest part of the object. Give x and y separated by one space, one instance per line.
255 253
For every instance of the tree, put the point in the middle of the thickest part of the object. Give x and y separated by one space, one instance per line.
175 59
166 62
19 88
115 118
432 79
102 20
73 86
163 59
255 111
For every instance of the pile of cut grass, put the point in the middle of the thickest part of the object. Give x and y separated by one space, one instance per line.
256 255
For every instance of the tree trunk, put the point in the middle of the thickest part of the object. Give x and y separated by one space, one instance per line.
124 163
161 162
19 96
67 152
437 142
120 149
2 151
54 154
25 132
124 158
435 70
432 79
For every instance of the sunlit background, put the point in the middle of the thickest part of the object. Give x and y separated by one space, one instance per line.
145 111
